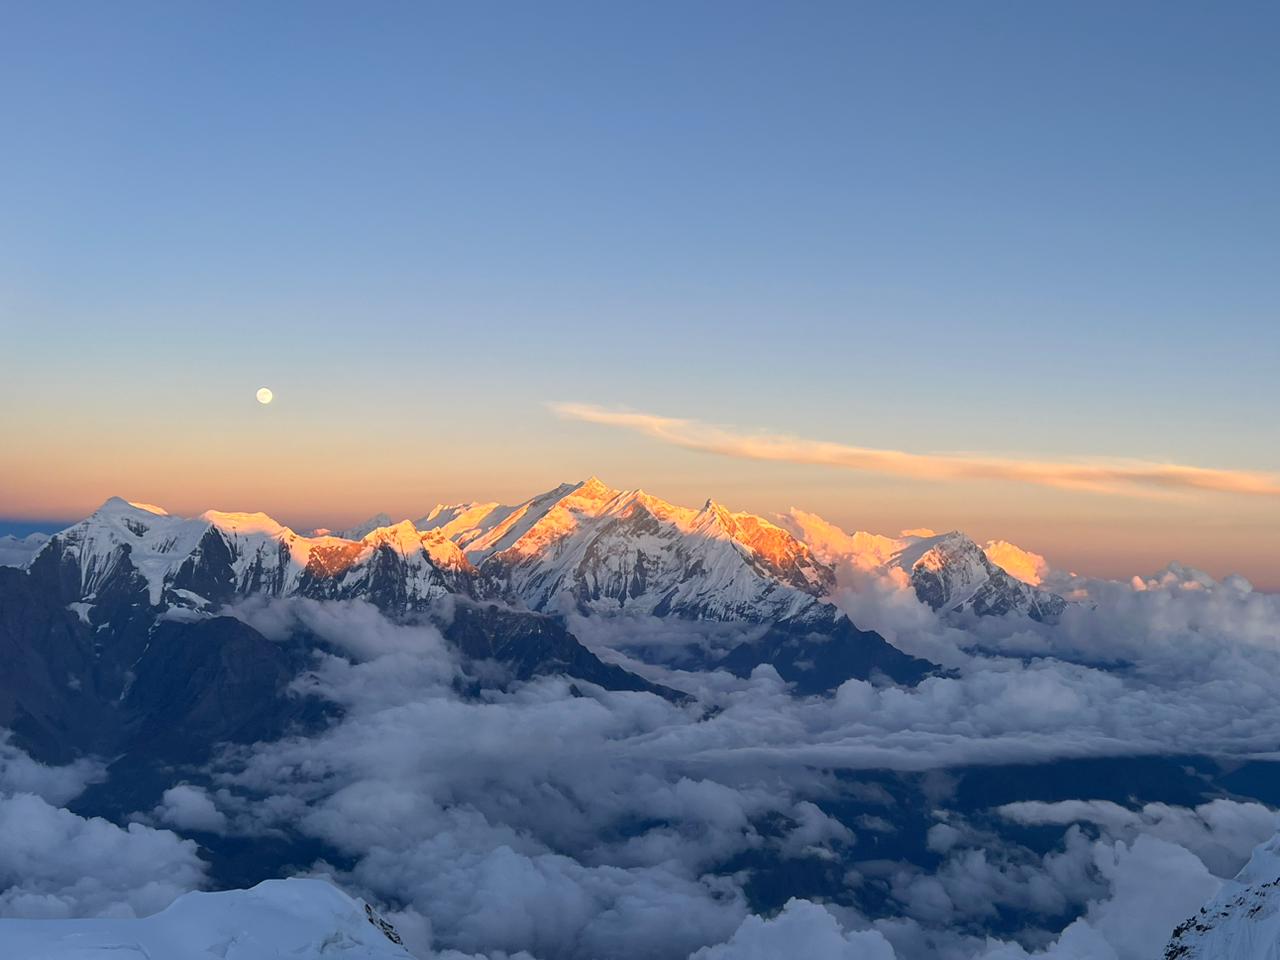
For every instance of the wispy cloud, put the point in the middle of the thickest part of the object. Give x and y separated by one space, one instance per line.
1131 477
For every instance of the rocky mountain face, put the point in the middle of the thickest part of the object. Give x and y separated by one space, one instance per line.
130 678
1243 921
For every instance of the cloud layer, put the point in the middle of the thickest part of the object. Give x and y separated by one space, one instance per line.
573 823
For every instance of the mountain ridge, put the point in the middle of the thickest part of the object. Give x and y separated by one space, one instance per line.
580 545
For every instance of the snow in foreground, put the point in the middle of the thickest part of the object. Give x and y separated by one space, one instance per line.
288 918
1243 921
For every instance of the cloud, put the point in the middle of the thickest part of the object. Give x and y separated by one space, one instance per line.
1153 885
1130 477
190 807
57 864
618 824
19 773
605 810
1027 566
1143 872
1222 833
802 929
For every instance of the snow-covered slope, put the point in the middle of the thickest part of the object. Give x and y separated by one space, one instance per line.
128 547
306 919
1243 921
950 572
606 550
362 530
17 551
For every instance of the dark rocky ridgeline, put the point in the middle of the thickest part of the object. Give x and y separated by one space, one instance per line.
48 694
819 655
208 573
211 681
535 644
202 685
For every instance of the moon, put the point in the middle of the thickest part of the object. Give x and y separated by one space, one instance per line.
264 395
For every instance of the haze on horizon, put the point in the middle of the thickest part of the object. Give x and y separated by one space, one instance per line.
1001 234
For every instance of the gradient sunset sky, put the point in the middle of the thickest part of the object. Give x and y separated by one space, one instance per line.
460 241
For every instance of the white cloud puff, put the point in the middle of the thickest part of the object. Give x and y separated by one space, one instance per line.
56 864
19 773
1222 833
802 929
190 807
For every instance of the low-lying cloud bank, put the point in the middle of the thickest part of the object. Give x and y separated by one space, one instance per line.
559 823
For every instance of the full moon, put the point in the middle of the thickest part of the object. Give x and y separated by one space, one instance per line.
264 395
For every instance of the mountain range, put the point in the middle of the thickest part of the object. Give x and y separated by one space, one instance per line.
582 546
105 605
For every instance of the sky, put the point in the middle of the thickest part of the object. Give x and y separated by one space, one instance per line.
1000 232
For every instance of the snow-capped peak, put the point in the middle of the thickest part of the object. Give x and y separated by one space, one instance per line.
246 524
119 506
403 537
528 528
595 489
123 539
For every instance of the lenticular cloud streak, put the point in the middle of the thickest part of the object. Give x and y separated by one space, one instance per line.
1112 477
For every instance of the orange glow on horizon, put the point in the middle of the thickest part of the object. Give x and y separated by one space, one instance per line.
307 485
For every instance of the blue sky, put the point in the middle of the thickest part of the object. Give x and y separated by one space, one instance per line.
1020 229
